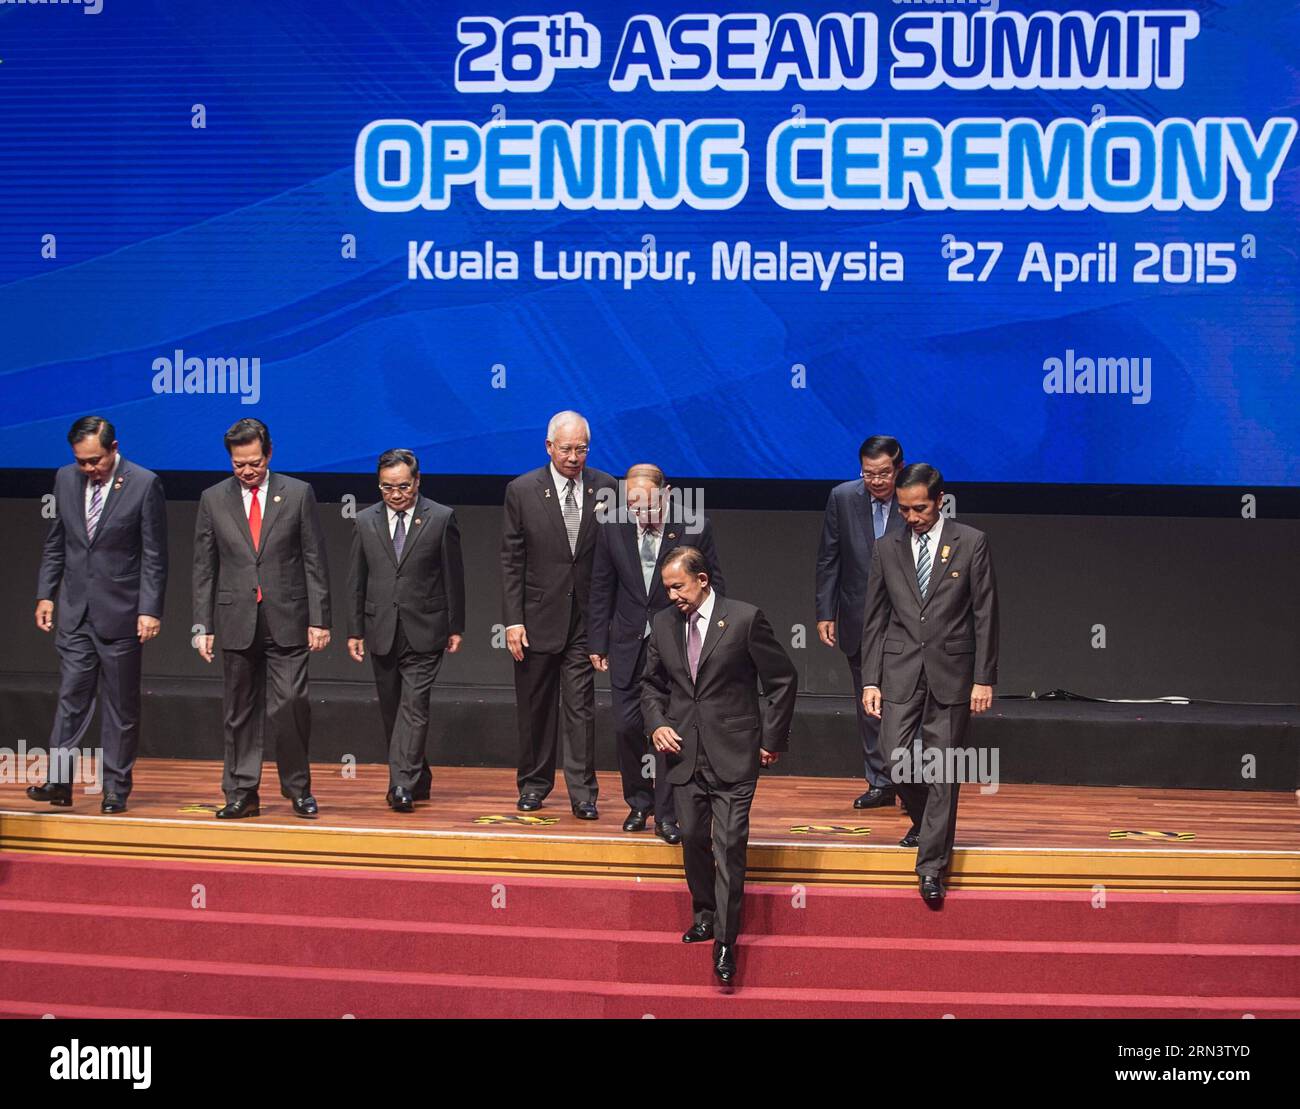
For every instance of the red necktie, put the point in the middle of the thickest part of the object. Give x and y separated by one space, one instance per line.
255 526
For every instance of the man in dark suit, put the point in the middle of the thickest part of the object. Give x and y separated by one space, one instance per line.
626 592
930 654
547 546
105 559
706 659
858 514
406 587
261 587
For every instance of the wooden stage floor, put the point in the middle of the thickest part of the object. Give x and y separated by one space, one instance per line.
802 830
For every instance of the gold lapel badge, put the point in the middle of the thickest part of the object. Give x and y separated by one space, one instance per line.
722 623
672 535
589 490
417 521
947 550
955 574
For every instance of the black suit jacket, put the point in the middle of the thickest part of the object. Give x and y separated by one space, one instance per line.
426 588
619 606
541 579
722 708
952 635
122 573
844 559
289 565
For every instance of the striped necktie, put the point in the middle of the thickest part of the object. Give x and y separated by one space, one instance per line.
572 516
923 564
96 506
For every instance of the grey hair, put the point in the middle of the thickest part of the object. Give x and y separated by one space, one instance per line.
563 419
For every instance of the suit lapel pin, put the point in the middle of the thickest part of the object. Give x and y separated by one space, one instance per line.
117 484
672 535
947 550
589 490
547 494
722 623
276 499
417 521
955 574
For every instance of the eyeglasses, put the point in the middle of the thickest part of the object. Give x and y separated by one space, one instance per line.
581 452
404 487
876 476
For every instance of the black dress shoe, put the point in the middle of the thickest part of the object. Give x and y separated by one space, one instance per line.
54 794
529 802
876 797
912 839
237 810
668 832
635 821
305 805
401 800
724 962
698 932
112 803
931 889
586 810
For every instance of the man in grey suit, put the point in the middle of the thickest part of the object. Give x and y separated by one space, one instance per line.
547 545
707 657
626 592
858 515
930 656
261 591
406 593
105 559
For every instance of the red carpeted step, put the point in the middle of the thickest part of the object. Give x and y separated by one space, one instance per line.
655 957
658 905
307 992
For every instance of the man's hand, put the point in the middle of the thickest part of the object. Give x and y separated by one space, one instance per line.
981 697
516 641
768 758
453 644
600 662
45 615
871 701
826 632
665 739
203 644
357 648
318 639
146 627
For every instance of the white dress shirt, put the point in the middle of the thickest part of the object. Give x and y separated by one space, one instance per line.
247 494
103 492
705 610
934 533
561 481
392 521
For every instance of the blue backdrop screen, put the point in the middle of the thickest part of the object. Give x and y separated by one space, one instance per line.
1037 243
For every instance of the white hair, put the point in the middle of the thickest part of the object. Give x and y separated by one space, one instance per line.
564 419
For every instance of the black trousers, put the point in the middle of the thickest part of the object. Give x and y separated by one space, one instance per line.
404 679
643 769
873 761
90 665
266 683
714 818
943 727
555 696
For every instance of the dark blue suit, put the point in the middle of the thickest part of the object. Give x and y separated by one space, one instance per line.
102 585
843 572
617 615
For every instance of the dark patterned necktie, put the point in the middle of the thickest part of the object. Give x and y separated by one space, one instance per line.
399 535
923 564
